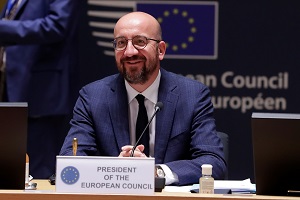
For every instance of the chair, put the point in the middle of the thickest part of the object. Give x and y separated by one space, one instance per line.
225 141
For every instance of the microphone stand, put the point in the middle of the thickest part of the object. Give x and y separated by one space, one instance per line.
134 147
159 182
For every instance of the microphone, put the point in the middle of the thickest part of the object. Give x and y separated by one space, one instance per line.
158 107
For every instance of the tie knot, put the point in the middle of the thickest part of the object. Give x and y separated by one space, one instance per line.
140 98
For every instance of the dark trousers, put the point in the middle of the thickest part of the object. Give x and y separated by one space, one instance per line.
45 138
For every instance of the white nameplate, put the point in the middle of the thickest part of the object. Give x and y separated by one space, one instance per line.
105 175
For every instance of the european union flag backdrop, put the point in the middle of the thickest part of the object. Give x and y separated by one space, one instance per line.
256 40
189 29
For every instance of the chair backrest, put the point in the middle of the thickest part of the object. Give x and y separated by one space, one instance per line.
225 140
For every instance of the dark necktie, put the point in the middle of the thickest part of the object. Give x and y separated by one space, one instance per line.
141 123
9 15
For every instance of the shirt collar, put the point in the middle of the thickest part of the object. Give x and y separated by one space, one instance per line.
150 93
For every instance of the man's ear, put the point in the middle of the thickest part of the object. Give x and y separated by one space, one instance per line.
162 50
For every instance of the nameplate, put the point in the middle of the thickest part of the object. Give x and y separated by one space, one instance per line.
105 175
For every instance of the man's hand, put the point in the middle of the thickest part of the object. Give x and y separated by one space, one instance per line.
126 151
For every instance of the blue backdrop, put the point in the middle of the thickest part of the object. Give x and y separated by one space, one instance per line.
247 52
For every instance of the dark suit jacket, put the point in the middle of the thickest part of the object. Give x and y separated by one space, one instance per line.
41 55
185 135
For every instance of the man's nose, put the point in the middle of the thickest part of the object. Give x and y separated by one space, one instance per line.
130 49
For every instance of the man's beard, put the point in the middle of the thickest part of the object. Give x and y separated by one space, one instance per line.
136 75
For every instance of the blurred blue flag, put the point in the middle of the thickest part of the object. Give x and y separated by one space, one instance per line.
189 28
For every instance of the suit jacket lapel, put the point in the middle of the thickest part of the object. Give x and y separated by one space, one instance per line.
118 108
165 118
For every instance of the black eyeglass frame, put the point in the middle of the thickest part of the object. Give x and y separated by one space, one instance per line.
138 48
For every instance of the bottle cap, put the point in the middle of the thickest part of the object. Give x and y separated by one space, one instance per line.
207 169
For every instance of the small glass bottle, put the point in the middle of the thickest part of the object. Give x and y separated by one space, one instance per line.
206 182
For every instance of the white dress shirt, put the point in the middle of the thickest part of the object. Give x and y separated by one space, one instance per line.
151 96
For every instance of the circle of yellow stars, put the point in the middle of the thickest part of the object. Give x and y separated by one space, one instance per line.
190 20
72 170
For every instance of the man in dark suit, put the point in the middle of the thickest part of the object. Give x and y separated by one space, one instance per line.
183 135
39 42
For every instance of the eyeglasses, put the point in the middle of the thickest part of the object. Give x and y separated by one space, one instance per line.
139 42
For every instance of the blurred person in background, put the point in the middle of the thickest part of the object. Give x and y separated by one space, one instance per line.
38 52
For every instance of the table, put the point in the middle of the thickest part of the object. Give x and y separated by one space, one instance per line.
45 191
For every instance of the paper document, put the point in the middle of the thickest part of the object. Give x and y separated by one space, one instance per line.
243 186
178 188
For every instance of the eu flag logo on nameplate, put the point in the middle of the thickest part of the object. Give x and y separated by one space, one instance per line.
69 175
190 28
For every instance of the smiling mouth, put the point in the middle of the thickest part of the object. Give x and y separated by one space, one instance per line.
133 62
